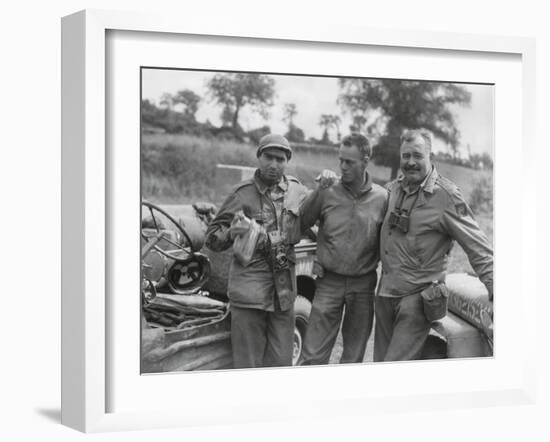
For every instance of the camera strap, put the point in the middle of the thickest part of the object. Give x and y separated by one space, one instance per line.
282 276
275 236
398 207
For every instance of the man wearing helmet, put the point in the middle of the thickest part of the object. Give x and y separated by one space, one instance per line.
262 290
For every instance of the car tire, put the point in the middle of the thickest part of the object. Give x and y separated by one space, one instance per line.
302 310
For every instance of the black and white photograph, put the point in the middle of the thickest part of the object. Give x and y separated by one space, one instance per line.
293 220
286 221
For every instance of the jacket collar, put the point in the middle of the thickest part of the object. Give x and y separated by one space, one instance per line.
427 186
428 183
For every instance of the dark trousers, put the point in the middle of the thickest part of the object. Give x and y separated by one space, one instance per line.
401 328
336 295
260 338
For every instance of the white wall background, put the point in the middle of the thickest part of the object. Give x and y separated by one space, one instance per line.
30 215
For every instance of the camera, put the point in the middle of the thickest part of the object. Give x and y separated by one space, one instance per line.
279 257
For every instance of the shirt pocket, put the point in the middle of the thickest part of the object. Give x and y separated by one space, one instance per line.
423 237
292 224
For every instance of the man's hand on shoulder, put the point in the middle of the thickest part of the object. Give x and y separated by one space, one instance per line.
326 179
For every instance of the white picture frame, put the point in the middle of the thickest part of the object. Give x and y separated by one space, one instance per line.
87 211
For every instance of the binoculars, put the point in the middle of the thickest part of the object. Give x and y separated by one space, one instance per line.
399 220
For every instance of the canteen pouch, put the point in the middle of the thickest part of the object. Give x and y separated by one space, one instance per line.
435 300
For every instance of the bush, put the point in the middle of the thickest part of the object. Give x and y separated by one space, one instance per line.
256 134
481 196
295 134
182 168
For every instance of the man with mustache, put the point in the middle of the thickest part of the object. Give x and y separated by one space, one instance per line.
350 213
426 214
262 290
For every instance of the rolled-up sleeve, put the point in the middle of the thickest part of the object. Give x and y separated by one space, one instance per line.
458 221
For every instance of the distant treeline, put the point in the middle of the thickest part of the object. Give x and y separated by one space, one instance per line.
166 120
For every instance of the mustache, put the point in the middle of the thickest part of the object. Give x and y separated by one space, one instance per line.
411 168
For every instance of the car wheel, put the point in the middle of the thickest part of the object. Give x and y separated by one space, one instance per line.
302 310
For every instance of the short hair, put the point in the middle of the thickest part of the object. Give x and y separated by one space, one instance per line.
358 140
412 134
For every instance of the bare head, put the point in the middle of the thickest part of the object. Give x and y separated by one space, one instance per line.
415 155
354 154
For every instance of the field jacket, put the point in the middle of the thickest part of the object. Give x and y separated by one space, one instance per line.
252 286
349 226
438 216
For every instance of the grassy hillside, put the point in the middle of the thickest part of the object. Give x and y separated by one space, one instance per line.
182 169
465 178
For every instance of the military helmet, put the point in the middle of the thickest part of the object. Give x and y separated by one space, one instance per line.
274 140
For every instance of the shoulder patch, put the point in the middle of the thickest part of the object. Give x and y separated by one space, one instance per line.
454 197
461 209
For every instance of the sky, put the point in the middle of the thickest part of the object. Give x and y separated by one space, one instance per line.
314 96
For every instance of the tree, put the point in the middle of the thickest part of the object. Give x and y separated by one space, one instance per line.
404 104
487 161
359 122
336 121
328 121
227 116
289 113
294 133
255 135
190 101
325 121
237 91
166 100
149 112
